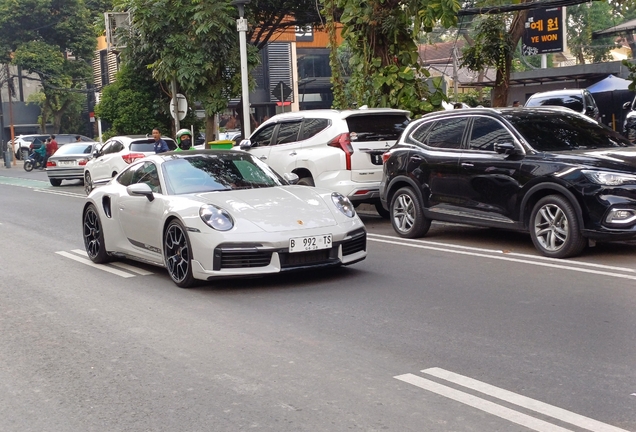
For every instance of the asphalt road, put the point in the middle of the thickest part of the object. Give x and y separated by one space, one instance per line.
464 330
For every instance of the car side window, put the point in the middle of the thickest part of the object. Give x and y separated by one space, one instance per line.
486 132
127 177
312 127
117 147
288 132
148 174
107 148
263 137
420 133
447 133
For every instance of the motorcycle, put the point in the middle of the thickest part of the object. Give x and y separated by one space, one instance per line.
34 161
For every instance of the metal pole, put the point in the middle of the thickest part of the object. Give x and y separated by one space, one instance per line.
241 27
3 147
175 104
9 86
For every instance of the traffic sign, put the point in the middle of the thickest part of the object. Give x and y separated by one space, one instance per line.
182 106
282 91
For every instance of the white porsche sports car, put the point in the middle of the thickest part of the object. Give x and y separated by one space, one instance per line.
210 213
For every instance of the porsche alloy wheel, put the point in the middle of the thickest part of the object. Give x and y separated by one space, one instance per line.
88 183
554 228
94 236
178 254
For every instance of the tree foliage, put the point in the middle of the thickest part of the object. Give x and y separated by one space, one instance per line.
382 36
583 20
53 40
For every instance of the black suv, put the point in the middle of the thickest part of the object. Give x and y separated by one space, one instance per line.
551 172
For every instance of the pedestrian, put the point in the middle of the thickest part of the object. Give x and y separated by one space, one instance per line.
515 103
160 144
51 147
78 138
184 140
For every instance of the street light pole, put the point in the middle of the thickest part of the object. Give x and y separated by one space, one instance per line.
241 27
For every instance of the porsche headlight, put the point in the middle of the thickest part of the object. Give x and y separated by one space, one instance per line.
343 204
216 217
609 178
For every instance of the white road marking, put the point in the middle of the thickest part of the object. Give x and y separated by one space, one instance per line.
125 266
482 404
499 252
523 401
505 258
132 268
60 192
97 266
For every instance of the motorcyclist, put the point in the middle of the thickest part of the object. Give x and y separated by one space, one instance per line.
184 140
39 154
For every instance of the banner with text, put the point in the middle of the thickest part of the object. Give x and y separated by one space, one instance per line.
544 31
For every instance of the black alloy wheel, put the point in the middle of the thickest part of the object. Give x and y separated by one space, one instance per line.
554 228
306 181
94 236
178 254
88 183
407 214
55 182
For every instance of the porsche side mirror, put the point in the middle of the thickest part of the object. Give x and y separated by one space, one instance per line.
140 189
291 178
245 144
505 148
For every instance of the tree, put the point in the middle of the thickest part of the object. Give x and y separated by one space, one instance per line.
583 19
53 40
382 35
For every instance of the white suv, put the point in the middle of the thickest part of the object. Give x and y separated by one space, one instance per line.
338 150
115 155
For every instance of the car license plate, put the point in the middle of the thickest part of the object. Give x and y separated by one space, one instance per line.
67 163
303 244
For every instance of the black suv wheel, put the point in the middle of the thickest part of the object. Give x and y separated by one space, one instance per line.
407 216
554 228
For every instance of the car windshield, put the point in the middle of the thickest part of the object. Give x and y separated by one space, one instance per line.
378 127
559 131
217 172
69 149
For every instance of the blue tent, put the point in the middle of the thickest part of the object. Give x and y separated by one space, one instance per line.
611 94
610 83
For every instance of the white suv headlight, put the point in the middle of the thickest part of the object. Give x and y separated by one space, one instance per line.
343 204
609 178
216 217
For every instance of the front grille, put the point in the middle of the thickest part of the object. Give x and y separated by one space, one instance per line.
234 259
356 244
304 258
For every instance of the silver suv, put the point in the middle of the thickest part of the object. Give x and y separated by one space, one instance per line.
337 150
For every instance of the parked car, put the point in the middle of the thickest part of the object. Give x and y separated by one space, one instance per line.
579 100
23 143
68 162
115 155
551 172
337 150
204 214
629 125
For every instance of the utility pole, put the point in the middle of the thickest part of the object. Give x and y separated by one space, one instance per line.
9 88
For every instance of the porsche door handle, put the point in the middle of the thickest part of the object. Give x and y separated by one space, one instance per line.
293 153
262 157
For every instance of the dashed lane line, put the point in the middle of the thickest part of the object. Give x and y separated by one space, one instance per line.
523 401
97 266
122 265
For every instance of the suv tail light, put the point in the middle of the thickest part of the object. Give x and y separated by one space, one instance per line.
131 157
343 142
385 157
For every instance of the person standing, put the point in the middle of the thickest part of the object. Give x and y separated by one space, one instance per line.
160 144
51 147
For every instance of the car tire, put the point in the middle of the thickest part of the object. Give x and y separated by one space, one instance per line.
177 254
55 182
407 214
384 213
93 233
554 228
306 181
88 183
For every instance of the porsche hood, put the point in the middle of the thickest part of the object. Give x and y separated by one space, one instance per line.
276 209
